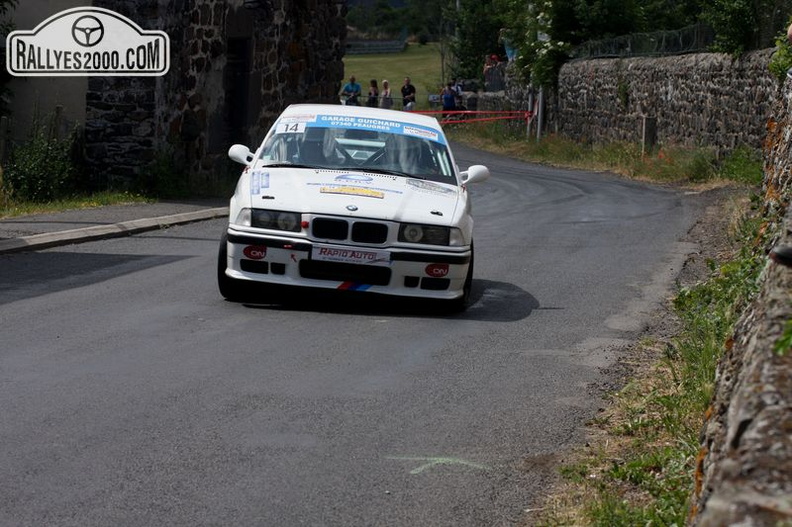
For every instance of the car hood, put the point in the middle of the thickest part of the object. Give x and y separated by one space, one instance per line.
351 193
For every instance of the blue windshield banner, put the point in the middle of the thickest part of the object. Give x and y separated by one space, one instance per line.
348 122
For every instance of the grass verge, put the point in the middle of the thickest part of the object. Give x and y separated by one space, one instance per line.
11 208
668 165
639 469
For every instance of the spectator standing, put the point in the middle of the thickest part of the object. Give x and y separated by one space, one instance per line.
493 74
351 91
511 53
448 97
373 94
386 99
457 87
489 63
408 95
460 103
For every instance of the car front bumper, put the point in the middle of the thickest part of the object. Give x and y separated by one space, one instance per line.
385 270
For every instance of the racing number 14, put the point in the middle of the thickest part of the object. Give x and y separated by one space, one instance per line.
291 128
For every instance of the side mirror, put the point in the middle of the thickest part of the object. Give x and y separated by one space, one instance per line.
475 174
240 154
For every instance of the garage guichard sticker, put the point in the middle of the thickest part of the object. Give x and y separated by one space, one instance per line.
298 124
85 41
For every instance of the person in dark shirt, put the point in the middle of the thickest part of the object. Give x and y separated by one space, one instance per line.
373 94
408 95
448 98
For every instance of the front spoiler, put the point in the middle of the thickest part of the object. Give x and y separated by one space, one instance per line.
410 269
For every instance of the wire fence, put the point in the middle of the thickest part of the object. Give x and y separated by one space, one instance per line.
367 47
478 116
691 39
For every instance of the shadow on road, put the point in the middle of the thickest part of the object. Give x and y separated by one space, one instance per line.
33 274
490 301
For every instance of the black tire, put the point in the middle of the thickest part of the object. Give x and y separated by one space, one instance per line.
459 305
231 289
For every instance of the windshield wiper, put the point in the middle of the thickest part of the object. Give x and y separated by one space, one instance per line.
389 171
292 165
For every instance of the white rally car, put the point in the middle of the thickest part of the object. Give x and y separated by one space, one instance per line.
351 198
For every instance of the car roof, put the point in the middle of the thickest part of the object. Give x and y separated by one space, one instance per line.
363 111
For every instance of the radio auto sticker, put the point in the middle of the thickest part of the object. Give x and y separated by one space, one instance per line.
329 253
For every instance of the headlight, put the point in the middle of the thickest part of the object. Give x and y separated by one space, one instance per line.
429 234
288 221
269 219
411 233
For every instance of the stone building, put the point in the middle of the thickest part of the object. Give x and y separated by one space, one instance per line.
234 65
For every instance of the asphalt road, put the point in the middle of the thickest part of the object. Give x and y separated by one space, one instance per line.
131 394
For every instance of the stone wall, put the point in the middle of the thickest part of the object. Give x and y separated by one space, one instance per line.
705 99
743 474
233 70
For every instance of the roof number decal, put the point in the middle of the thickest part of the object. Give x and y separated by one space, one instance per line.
290 128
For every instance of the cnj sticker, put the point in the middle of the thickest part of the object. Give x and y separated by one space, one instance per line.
85 41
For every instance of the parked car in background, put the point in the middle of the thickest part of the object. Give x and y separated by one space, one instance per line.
350 198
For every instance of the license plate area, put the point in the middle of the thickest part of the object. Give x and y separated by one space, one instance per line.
350 255
345 272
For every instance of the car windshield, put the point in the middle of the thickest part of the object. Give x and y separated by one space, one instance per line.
402 150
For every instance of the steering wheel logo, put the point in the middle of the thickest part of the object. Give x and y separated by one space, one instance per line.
87 31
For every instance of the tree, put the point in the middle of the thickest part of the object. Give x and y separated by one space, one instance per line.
425 18
478 26
544 31
607 18
668 14
377 19
742 25
734 22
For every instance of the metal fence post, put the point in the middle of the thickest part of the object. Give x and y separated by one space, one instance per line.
540 114
648 134
530 109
